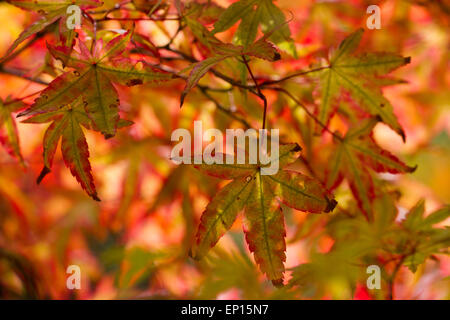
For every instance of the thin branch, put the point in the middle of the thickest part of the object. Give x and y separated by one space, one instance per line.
20 74
298 102
94 24
258 89
204 90
223 109
391 280
22 98
23 48
139 19
118 6
213 71
300 73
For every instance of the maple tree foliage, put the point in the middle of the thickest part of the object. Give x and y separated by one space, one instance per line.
112 91
264 219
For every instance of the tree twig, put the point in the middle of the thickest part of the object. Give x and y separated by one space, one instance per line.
258 89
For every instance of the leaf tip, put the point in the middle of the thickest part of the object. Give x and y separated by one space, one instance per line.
276 57
108 135
297 148
183 95
21 114
331 205
42 175
412 169
402 134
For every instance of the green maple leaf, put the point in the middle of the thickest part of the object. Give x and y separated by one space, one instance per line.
254 13
258 195
421 237
362 76
261 49
88 87
51 12
92 79
353 155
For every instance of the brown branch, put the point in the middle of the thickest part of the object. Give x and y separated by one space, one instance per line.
300 73
20 74
391 279
298 102
258 89
223 109
213 71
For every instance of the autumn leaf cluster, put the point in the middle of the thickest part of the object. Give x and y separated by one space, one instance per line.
245 65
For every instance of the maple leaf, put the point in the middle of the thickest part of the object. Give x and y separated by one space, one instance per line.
51 11
261 49
9 137
66 125
149 6
89 86
254 13
258 195
419 238
361 75
352 157
92 79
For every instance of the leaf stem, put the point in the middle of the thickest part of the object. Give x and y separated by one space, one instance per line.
393 276
204 91
20 74
298 102
300 73
258 89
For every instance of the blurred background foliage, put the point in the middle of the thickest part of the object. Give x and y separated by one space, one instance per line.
135 243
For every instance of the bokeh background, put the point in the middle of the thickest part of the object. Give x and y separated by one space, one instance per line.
135 242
